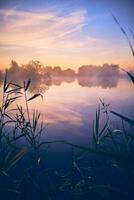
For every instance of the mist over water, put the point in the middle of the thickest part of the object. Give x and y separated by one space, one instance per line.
70 99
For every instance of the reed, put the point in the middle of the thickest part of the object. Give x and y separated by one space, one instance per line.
15 124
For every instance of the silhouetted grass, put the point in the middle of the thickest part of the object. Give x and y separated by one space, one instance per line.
125 33
15 124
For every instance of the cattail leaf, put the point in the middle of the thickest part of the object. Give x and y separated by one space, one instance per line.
103 129
26 85
14 98
20 136
5 82
35 96
14 90
16 158
76 166
131 31
14 84
38 160
131 47
125 34
7 116
7 122
4 173
129 74
126 119
102 102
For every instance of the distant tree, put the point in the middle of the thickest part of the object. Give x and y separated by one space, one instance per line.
56 71
13 66
68 72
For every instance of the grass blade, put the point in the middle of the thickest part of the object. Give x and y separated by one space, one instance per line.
126 119
125 34
35 96
129 74
26 85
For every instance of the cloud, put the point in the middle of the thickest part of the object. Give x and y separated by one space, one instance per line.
55 38
50 37
39 30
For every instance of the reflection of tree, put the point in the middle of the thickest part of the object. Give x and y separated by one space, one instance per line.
106 76
33 71
110 82
42 77
59 80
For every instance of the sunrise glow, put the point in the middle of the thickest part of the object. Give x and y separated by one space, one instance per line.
66 34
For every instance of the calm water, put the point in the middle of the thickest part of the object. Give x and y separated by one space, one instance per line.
69 105
68 108
68 111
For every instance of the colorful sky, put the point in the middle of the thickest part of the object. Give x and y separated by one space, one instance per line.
67 33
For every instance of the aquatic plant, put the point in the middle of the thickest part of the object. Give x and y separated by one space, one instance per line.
15 124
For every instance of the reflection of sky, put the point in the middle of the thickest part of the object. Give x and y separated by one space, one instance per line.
66 33
68 110
70 102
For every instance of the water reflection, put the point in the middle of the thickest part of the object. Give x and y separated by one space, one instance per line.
106 76
71 99
72 104
104 82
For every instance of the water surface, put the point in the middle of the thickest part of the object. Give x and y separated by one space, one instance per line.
68 108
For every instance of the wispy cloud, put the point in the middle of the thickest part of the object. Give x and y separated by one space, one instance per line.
39 30
35 35
56 38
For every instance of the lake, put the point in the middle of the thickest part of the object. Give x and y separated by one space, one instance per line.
68 108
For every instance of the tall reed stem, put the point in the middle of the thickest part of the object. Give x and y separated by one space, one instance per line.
27 109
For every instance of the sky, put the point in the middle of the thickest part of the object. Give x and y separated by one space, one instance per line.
66 33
